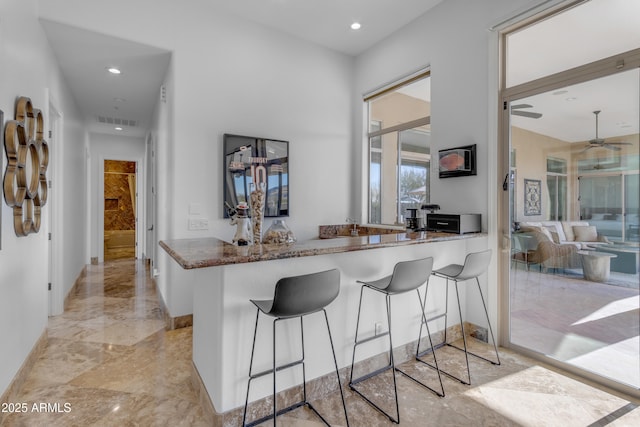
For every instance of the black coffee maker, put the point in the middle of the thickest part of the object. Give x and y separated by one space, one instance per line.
413 221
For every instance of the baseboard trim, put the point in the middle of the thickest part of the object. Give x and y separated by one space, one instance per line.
19 379
170 322
321 386
72 291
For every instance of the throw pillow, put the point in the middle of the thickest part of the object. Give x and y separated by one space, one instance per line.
585 233
547 233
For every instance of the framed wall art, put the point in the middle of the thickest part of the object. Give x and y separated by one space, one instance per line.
532 197
250 161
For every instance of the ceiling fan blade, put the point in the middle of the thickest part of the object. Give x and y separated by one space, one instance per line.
515 107
527 114
618 143
611 147
587 148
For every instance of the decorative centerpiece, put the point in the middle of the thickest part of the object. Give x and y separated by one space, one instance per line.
279 233
257 197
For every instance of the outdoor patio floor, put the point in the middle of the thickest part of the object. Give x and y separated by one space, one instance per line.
594 326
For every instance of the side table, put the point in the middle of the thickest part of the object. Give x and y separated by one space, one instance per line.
596 265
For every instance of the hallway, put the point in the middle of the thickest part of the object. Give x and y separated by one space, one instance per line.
110 358
109 362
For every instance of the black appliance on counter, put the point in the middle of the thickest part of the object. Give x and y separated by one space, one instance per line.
413 221
454 223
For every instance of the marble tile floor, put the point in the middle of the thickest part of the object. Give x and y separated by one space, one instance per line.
110 359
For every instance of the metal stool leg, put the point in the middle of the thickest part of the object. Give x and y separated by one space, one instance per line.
495 347
446 310
335 361
355 340
432 349
464 338
253 347
391 365
275 412
444 342
273 371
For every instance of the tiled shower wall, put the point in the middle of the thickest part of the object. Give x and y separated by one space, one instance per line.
119 188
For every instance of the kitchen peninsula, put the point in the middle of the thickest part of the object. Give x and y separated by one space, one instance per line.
226 276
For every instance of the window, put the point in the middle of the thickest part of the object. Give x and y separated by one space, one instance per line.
399 149
557 186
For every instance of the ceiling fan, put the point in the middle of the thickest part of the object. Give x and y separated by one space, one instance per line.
600 142
515 110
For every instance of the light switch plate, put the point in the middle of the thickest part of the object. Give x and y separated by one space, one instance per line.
198 224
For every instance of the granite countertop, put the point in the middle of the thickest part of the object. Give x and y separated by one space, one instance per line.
211 252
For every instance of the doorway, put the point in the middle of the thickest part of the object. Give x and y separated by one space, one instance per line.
572 139
120 216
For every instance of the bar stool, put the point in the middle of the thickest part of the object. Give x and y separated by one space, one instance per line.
407 276
296 297
475 264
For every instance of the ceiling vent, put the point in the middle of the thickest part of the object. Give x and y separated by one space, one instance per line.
117 121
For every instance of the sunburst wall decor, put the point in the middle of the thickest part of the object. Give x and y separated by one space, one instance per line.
25 180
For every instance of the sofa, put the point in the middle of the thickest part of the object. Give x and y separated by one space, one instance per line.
581 234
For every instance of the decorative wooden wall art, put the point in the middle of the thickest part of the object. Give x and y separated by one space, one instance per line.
25 180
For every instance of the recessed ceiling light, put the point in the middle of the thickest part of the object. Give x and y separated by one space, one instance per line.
114 70
119 99
118 128
571 99
355 26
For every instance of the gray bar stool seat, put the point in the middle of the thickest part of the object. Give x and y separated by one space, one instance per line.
407 276
475 265
296 297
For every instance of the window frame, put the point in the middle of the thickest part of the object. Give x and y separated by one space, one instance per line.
381 131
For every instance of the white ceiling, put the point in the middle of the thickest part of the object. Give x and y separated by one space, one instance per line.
595 30
84 56
327 22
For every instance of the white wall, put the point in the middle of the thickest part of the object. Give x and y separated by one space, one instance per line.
453 40
232 76
30 69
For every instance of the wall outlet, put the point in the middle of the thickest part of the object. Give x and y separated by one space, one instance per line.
198 224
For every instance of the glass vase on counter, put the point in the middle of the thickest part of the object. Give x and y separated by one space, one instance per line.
278 233
257 197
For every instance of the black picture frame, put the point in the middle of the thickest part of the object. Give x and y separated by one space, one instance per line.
267 158
458 161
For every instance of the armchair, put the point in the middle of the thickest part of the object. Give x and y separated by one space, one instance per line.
550 254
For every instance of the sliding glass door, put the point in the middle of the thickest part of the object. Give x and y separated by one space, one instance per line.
573 140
